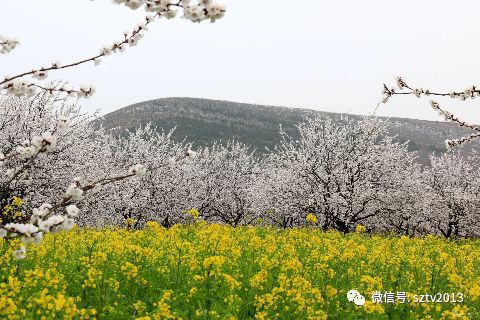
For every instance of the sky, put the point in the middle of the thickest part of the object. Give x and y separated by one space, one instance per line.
324 55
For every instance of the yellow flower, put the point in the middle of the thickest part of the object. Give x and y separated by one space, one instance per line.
371 307
331 291
258 279
261 316
311 218
17 202
129 222
360 229
215 261
232 283
140 306
151 225
474 293
193 212
129 270
163 308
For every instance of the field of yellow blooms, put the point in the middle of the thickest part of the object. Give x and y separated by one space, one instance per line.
202 271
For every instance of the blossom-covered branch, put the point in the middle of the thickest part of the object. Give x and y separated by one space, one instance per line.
196 12
471 92
19 86
7 44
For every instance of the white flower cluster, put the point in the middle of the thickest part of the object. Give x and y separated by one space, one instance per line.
63 123
19 228
194 11
56 223
40 222
44 143
460 141
139 170
191 154
20 253
7 44
387 93
39 74
43 210
131 38
86 91
206 9
400 83
471 92
74 191
19 87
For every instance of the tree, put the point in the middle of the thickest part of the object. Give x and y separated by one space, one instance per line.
454 187
406 205
340 171
158 197
221 187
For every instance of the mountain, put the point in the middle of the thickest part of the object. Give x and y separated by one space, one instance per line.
203 121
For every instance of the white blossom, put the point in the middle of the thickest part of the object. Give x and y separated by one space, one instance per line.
191 154
19 254
74 192
86 91
63 123
138 170
67 224
26 152
27 229
19 88
72 210
10 172
56 64
49 141
37 239
418 92
7 44
40 75
43 210
55 220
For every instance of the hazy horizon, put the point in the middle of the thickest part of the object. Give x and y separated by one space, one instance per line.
329 57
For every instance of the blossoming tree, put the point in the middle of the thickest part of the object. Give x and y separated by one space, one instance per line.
221 188
454 186
342 171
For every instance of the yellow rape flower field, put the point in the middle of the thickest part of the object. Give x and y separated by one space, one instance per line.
204 271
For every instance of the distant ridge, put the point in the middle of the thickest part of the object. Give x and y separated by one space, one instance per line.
203 121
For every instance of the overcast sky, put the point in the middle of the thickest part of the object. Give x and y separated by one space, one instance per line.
324 55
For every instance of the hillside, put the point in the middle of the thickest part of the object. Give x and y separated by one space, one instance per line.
203 121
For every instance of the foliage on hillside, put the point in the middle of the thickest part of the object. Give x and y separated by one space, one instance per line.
203 121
